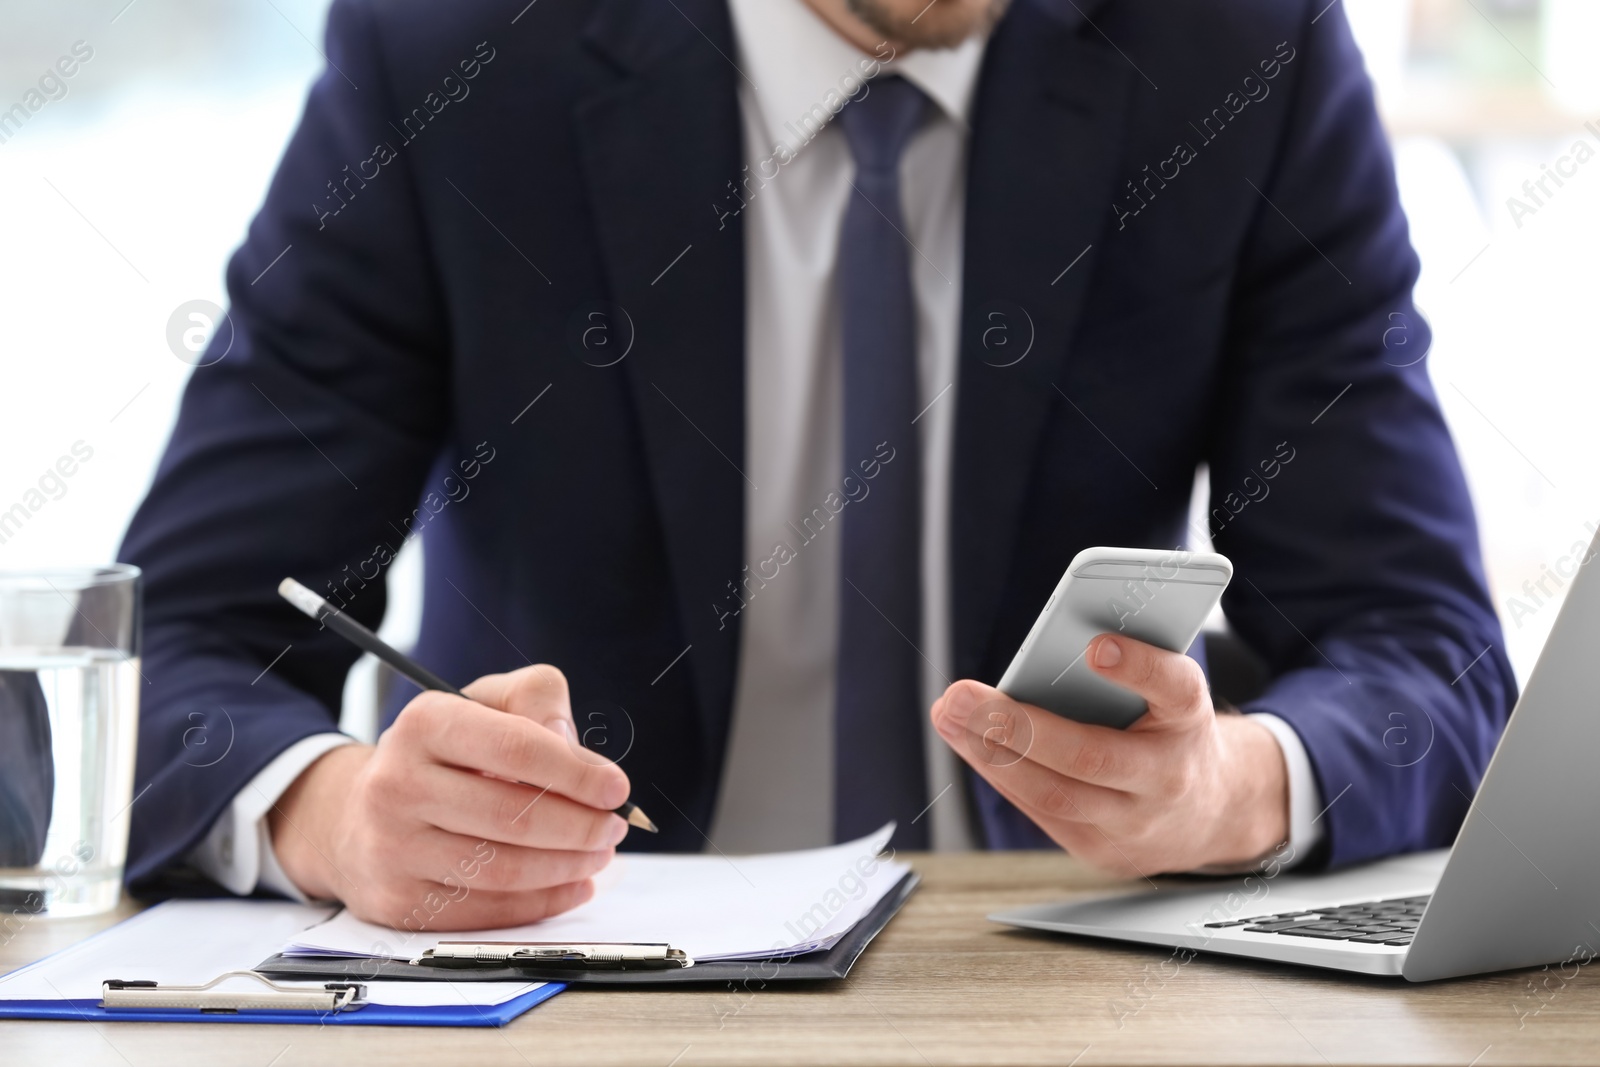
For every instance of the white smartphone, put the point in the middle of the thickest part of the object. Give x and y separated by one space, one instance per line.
1159 596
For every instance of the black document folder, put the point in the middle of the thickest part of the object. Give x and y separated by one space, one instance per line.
829 963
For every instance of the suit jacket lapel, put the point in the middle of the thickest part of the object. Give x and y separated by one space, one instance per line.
659 145
1046 138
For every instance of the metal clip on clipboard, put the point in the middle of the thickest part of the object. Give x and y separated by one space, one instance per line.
334 996
601 955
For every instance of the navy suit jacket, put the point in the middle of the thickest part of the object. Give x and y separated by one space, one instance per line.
1216 271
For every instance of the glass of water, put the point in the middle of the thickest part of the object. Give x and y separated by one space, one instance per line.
69 717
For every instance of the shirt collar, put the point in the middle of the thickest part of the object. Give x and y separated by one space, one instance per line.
791 61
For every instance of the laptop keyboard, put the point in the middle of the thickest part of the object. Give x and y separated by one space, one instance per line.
1377 922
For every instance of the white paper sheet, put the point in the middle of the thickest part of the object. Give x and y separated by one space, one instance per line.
190 942
711 906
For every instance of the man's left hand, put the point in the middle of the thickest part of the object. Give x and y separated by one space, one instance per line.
1181 788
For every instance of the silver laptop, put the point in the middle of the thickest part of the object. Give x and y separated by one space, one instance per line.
1520 887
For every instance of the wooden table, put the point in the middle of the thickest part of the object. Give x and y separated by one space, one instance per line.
940 986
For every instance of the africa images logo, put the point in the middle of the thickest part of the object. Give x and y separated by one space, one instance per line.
1566 166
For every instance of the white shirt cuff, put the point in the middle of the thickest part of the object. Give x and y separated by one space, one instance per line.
237 853
1305 829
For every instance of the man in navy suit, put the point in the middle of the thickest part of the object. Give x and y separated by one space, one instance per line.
760 364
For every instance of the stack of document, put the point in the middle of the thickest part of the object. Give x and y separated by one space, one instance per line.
719 910
711 906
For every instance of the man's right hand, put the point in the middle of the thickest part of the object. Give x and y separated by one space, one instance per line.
467 813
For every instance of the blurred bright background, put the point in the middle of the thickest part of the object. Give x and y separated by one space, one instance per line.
122 199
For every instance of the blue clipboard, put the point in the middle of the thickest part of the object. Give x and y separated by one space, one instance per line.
160 951
369 1015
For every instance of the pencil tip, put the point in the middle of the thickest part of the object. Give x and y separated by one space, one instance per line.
638 818
301 597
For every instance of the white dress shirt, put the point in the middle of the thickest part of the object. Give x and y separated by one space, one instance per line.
777 785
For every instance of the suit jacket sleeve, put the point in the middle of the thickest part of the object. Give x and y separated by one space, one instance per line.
1337 491
300 448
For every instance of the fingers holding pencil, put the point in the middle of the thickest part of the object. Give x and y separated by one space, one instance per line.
537 693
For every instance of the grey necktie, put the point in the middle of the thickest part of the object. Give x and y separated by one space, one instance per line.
878 720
